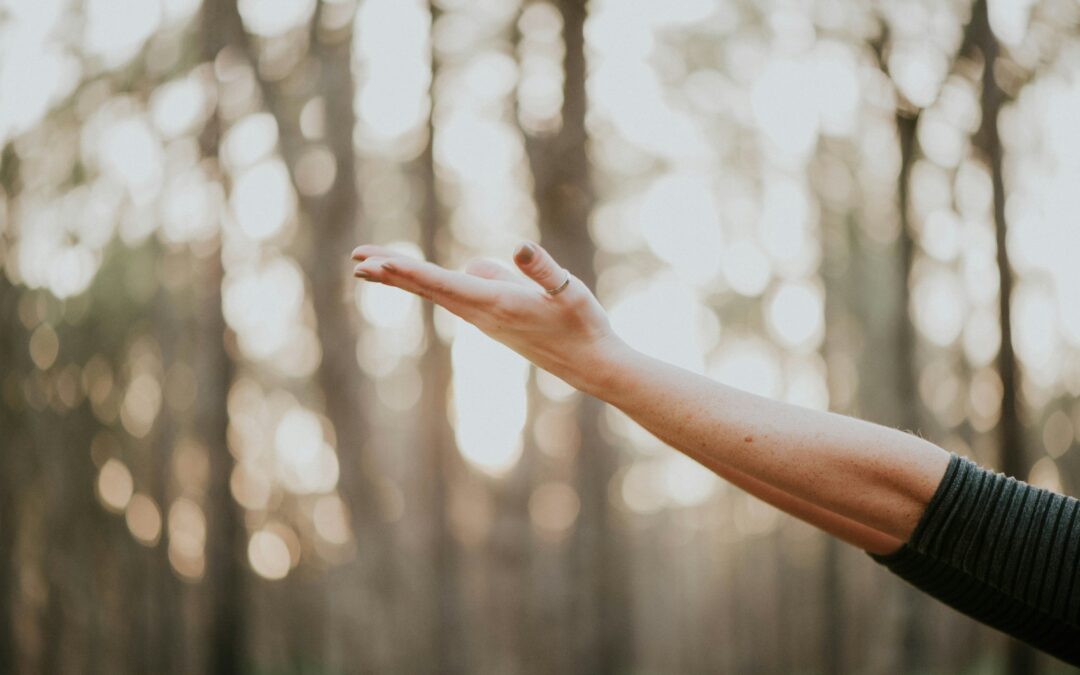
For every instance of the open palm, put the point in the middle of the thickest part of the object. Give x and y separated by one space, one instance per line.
563 333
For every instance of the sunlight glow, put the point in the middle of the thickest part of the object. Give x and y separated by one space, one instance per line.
686 482
781 101
178 106
35 69
305 461
918 69
1043 147
751 365
331 519
269 555
938 305
796 314
1009 19
743 161
786 226
131 153
115 486
1045 474
261 305
386 306
187 539
116 29
489 400
540 53
142 403
746 269
660 320
249 140
269 18
680 220
262 199
144 519
250 487
392 44
190 205
1058 434
648 486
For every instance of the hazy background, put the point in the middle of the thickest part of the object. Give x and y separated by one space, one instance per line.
220 453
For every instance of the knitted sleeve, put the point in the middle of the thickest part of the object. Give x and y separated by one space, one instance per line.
1002 552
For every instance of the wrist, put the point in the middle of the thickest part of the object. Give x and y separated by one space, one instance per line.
602 370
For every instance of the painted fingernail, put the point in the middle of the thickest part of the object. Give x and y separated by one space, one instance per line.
524 253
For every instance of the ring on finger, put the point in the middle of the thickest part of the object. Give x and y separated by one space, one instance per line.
561 287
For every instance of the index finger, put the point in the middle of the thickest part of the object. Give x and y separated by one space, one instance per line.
435 282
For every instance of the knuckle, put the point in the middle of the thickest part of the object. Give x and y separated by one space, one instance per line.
439 287
504 310
485 322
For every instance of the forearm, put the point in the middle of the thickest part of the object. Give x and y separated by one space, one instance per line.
844 529
873 475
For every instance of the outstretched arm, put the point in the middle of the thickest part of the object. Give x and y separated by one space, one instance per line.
865 483
1004 552
873 475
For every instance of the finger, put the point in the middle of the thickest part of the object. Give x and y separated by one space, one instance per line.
429 280
372 270
365 251
538 265
447 302
489 269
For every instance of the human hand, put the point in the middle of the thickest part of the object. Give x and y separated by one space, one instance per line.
568 333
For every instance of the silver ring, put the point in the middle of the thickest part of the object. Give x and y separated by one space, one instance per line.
560 288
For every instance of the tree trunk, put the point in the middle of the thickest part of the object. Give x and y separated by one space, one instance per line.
9 477
1014 462
11 339
906 405
440 460
564 198
225 532
333 220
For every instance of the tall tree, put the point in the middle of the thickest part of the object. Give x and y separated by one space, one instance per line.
1014 460
334 220
440 459
893 398
10 341
565 198
837 236
331 223
906 409
225 533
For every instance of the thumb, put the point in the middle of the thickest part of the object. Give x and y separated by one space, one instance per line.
538 265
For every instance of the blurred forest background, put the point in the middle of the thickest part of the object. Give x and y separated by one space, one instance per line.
219 453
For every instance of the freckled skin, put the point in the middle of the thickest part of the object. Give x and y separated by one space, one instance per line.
873 476
863 483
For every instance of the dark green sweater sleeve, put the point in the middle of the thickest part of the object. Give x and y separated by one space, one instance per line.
1002 552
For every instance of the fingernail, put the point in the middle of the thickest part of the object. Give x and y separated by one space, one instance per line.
388 266
362 274
524 253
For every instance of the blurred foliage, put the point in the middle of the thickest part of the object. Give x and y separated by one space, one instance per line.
219 454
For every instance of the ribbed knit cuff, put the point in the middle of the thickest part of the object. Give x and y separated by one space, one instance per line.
1022 540
1002 552
940 495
